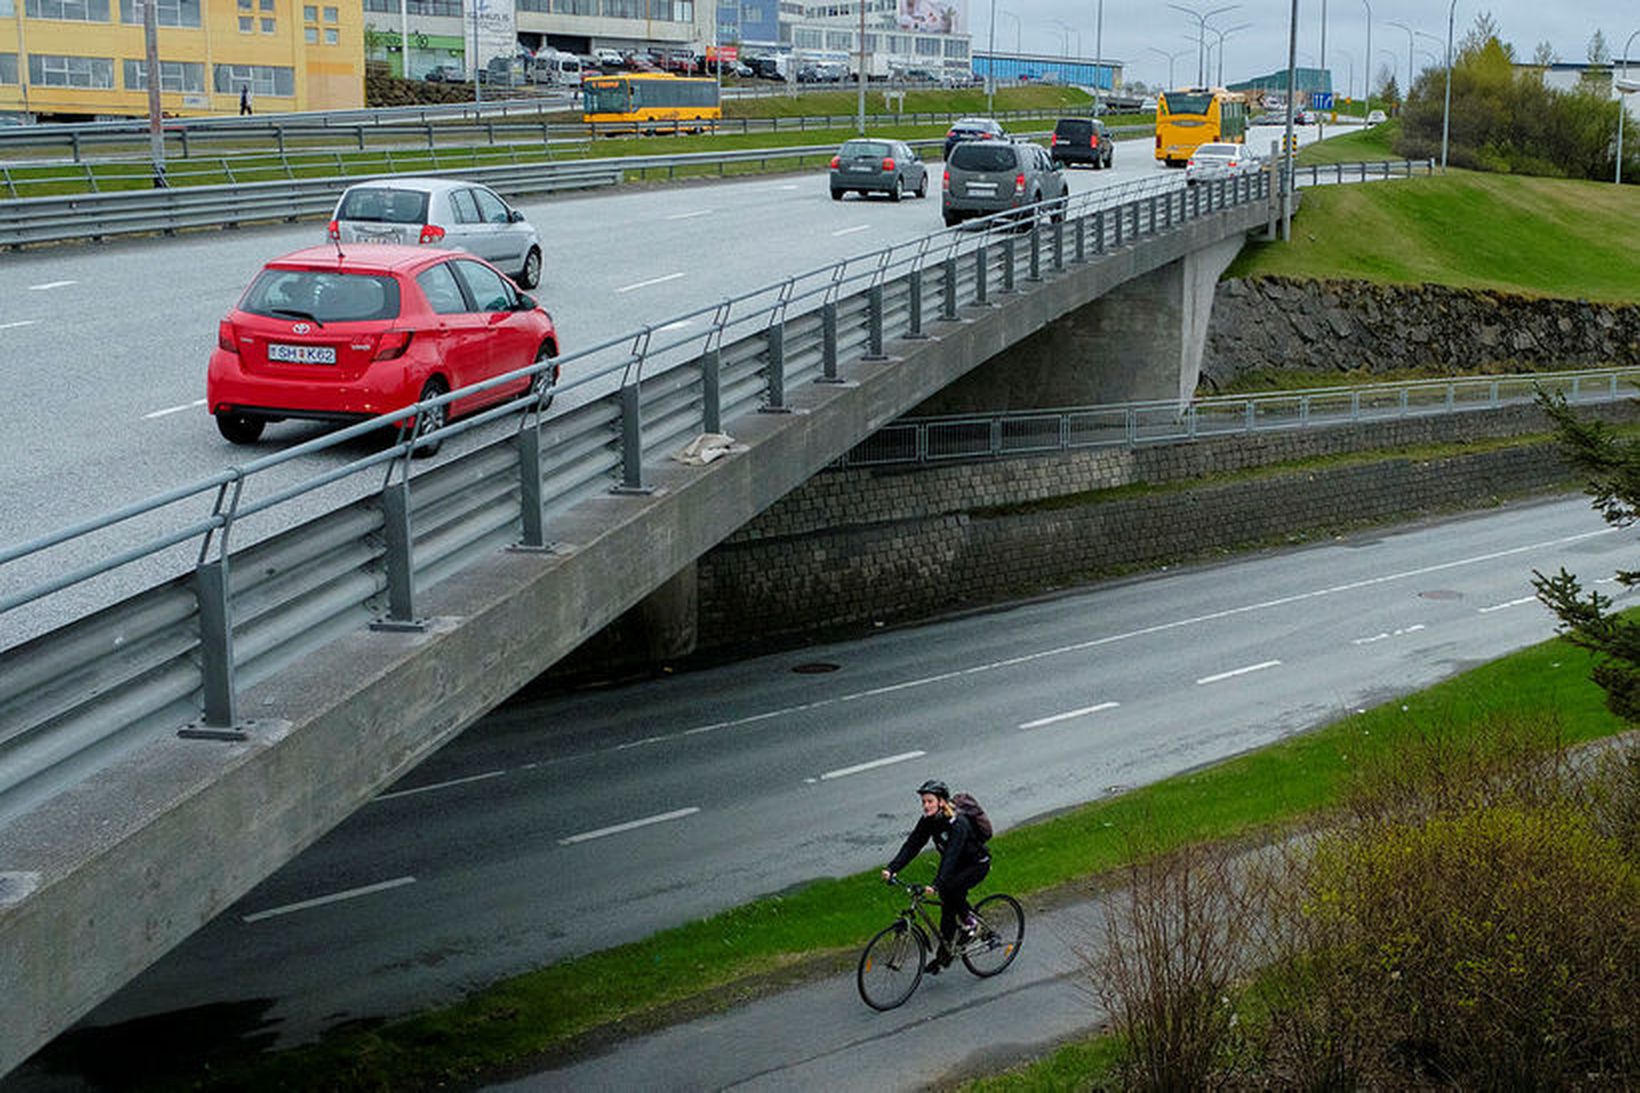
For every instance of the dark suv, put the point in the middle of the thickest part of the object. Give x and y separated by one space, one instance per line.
972 129
1081 140
992 176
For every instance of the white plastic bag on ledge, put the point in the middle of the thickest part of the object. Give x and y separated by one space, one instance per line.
707 447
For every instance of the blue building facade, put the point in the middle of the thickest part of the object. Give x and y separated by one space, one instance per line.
1029 67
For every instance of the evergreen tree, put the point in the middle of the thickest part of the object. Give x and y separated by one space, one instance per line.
1612 470
1544 55
1599 52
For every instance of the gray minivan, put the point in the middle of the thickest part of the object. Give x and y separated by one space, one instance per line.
991 176
441 212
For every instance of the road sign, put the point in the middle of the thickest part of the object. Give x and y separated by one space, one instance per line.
1321 100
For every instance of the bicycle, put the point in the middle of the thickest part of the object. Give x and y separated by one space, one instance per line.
891 966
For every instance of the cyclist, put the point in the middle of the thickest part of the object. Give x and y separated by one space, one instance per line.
964 862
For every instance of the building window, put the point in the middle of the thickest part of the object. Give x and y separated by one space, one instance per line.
175 76
623 9
310 35
80 11
310 13
8 67
957 48
331 15
261 79
928 47
168 13
8 9
247 24
270 26
332 36
839 39
48 70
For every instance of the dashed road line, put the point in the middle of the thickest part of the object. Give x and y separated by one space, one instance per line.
18 322
851 231
651 281
440 785
844 772
49 285
194 405
334 897
1232 673
1068 715
630 825
689 215
1506 605
1387 634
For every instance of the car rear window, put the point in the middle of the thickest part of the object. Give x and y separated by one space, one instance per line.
874 149
984 156
325 295
1071 128
382 205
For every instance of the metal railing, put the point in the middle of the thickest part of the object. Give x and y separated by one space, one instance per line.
74 693
956 438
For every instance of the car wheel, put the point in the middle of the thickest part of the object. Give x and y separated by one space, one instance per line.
240 428
837 195
530 275
898 189
922 186
430 420
952 220
546 379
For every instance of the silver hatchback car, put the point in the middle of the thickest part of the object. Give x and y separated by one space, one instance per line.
991 176
443 213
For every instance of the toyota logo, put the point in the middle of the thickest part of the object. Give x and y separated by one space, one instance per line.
300 328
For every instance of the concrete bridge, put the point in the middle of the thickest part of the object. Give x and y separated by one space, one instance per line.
162 756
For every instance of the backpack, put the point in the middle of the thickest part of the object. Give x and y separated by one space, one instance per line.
967 806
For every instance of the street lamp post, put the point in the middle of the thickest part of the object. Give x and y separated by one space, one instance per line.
1349 84
1408 89
1287 140
1446 107
1098 53
1171 57
1201 35
1367 109
1223 34
1622 104
991 68
1015 18
861 122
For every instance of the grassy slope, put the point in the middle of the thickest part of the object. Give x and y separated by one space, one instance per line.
1532 236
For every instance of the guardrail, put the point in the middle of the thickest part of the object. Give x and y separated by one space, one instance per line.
958 438
127 667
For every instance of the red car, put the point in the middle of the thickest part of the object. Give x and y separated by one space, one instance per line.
346 333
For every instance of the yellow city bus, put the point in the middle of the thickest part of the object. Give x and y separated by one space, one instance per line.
1191 117
650 102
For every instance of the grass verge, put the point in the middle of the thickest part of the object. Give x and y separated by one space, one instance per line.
1464 230
545 1015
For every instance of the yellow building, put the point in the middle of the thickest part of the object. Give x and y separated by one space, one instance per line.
79 59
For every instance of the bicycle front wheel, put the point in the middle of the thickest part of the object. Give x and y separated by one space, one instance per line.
891 966
1001 931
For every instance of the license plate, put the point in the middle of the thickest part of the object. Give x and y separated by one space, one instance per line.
302 354
380 234
982 187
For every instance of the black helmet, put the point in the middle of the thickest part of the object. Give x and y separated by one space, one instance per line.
936 787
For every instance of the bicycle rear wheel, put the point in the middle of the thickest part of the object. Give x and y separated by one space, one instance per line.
891 966
1001 931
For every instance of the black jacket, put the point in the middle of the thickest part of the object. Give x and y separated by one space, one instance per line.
955 839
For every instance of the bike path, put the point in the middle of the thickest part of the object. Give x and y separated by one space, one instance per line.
822 1036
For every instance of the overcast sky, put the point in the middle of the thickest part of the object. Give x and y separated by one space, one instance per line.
1134 30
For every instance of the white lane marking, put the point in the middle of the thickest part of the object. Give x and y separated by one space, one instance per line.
844 772
18 322
851 231
630 825
1232 673
1403 631
651 281
51 285
440 785
1111 639
1502 606
690 216
334 897
198 402
1068 715
679 325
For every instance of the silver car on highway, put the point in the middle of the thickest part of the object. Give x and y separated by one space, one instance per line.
456 215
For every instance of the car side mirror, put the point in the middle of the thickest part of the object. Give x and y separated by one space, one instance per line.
526 302
514 216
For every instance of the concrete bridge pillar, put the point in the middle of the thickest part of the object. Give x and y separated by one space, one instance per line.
1141 341
659 628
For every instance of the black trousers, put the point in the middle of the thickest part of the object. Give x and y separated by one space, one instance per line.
954 897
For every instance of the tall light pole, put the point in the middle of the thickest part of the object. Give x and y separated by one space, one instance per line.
1201 35
1015 18
1367 109
1407 90
861 122
991 67
1099 53
1622 104
1287 140
1446 107
1223 34
1349 85
1171 57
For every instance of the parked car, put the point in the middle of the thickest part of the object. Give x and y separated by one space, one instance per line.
328 335
608 58
446 74
972 129
1081 140
990 176
1212 161
877 166
458 215
1376 117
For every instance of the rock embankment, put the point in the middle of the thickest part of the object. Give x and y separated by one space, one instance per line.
1358 328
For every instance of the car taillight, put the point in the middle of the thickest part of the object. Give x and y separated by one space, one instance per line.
836 162
950 133
946 181
1019 184
1093 141
431 233
391 344
1158 142
227 336
888 163
1053 140
335 230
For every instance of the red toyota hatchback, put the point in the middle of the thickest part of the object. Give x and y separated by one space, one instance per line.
343 334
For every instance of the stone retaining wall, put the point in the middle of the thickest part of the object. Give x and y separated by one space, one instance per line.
1355 327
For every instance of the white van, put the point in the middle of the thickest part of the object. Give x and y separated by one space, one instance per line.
556 69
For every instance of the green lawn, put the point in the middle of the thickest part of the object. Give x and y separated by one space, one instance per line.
1532 236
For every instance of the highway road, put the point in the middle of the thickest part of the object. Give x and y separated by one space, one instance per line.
573 822
103 347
